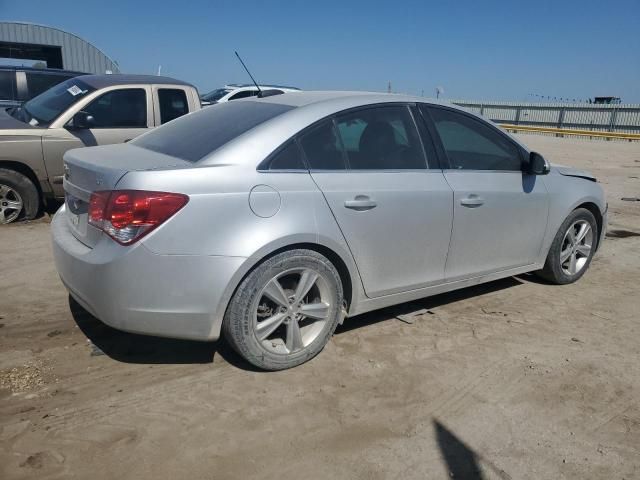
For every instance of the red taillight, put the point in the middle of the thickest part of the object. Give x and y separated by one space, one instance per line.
128 215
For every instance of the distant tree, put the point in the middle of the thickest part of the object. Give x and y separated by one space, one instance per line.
39 65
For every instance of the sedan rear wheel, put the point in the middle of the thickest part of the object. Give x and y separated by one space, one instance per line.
285 310
572 248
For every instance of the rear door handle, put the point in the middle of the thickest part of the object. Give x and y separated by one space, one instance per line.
360 203
472 201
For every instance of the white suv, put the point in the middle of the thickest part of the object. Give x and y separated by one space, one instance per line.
235 91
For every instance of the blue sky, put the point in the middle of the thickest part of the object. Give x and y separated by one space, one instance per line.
483 49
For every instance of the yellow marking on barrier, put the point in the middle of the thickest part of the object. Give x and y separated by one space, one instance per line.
567 131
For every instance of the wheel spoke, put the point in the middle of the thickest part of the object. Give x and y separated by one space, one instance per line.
268 326
274 292
564 255
573 268
3 217
571 235
584 229
319 311
307 280
584 250
294 337
14 205
3 191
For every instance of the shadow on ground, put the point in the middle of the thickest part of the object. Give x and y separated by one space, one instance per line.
134 348
428 303
145 349
461 460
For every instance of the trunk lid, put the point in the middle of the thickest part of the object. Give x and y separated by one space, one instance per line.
87 170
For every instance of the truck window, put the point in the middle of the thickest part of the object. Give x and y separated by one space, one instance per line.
39 82
7 81
173 104
126 108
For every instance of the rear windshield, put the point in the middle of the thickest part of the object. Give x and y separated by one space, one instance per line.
194 136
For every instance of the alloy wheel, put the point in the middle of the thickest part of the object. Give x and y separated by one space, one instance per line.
576 247
292 310
10 204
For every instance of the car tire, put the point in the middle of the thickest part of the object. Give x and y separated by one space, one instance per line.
19 198
572 248
285 310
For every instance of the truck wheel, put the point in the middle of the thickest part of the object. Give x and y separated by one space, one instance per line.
19 198
284 312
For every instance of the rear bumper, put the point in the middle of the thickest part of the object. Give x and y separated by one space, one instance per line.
136 290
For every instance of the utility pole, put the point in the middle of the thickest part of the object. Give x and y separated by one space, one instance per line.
389 87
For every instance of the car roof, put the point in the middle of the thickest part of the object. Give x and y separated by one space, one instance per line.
261 85
356 98
39 70
100 81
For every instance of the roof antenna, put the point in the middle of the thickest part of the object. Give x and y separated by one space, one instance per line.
247 70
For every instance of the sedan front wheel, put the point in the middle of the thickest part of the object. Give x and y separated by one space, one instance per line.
572 248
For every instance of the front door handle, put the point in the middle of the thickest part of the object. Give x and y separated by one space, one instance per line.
360 203
472 201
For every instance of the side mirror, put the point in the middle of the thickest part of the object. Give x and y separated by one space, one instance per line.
82 120
537 164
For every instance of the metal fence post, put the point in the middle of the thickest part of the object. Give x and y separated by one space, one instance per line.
518 115
560 120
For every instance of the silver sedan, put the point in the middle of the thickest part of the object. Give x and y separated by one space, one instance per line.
268 221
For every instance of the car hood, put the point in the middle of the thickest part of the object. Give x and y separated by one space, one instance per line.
11 126
573 172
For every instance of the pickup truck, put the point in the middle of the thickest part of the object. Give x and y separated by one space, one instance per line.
83 111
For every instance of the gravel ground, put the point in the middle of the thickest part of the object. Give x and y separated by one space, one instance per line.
512 379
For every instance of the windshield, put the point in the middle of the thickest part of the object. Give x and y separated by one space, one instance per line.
216 95
50 104
196 135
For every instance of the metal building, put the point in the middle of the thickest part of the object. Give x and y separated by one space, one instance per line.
55 47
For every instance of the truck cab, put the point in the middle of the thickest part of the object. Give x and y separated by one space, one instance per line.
80 112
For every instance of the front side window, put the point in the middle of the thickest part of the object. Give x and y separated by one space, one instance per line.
382 138
40 82
125 108
471 145
173 104
322 147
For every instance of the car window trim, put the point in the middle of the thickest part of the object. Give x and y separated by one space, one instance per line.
263 166
428 107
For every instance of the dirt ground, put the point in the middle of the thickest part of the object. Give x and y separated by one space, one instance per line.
509 380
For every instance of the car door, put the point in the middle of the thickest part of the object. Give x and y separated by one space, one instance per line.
500 211
393 210
119 115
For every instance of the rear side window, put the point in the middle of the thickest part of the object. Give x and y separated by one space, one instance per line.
322 147
173 104
7 85
243 94
40 82
126 108
382 138
288 158
471 145
194 136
